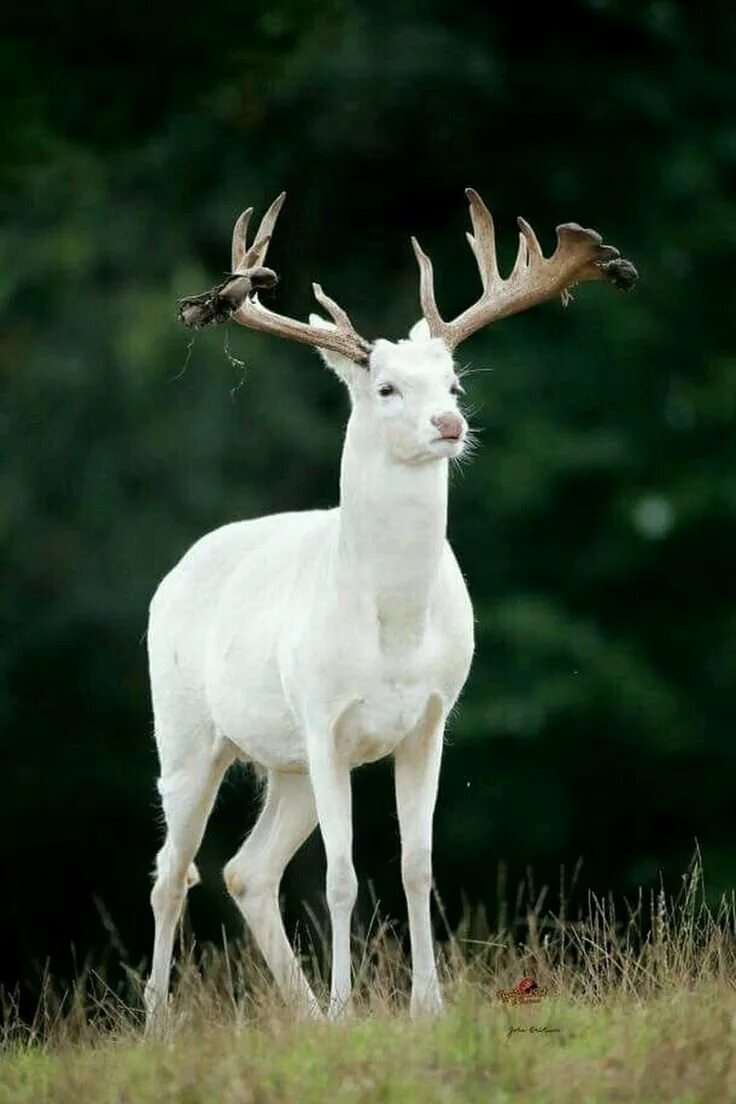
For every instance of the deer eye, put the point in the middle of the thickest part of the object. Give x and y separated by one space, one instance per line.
457 388
386 389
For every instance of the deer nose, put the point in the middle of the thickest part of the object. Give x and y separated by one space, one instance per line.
450 425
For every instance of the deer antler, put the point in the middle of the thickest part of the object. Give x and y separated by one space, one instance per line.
580 255
236 297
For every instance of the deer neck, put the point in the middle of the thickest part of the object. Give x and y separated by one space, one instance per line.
393 520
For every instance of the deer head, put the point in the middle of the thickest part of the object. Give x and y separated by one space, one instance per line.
406 393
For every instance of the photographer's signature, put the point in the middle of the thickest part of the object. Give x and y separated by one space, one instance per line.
532 1031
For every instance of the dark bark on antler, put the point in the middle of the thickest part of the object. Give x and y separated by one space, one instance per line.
220 302
620 272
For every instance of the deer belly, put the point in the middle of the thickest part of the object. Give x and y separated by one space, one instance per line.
374 726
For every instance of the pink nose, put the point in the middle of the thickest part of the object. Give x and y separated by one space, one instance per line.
450 425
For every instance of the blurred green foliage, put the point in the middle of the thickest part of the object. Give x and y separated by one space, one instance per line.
596 525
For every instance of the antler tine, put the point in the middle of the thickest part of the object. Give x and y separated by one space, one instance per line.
580 255
338 315
240 237
483 239
243 257
534 249
437 327
256 255
522 259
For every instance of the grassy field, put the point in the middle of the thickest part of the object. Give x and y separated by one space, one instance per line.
641 1009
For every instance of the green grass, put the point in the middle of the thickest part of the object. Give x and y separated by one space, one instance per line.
638 1010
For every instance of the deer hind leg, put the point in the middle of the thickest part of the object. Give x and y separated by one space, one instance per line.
253 877
188 793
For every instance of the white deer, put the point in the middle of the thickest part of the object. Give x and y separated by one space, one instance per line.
309 643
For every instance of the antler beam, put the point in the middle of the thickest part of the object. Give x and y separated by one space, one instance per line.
580 255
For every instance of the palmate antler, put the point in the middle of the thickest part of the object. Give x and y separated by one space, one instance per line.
580 255
235 297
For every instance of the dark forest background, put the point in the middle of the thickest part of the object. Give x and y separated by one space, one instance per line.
596 526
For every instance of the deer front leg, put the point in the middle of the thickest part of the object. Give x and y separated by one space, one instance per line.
417 768
331 783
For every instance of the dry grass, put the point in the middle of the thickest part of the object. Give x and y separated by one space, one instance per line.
641 1007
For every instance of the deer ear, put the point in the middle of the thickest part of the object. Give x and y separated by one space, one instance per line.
342 366
420 331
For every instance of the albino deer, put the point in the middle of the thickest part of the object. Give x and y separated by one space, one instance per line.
309 643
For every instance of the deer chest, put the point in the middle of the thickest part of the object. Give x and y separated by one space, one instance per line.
375 723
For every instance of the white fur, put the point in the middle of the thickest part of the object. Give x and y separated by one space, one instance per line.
309 643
